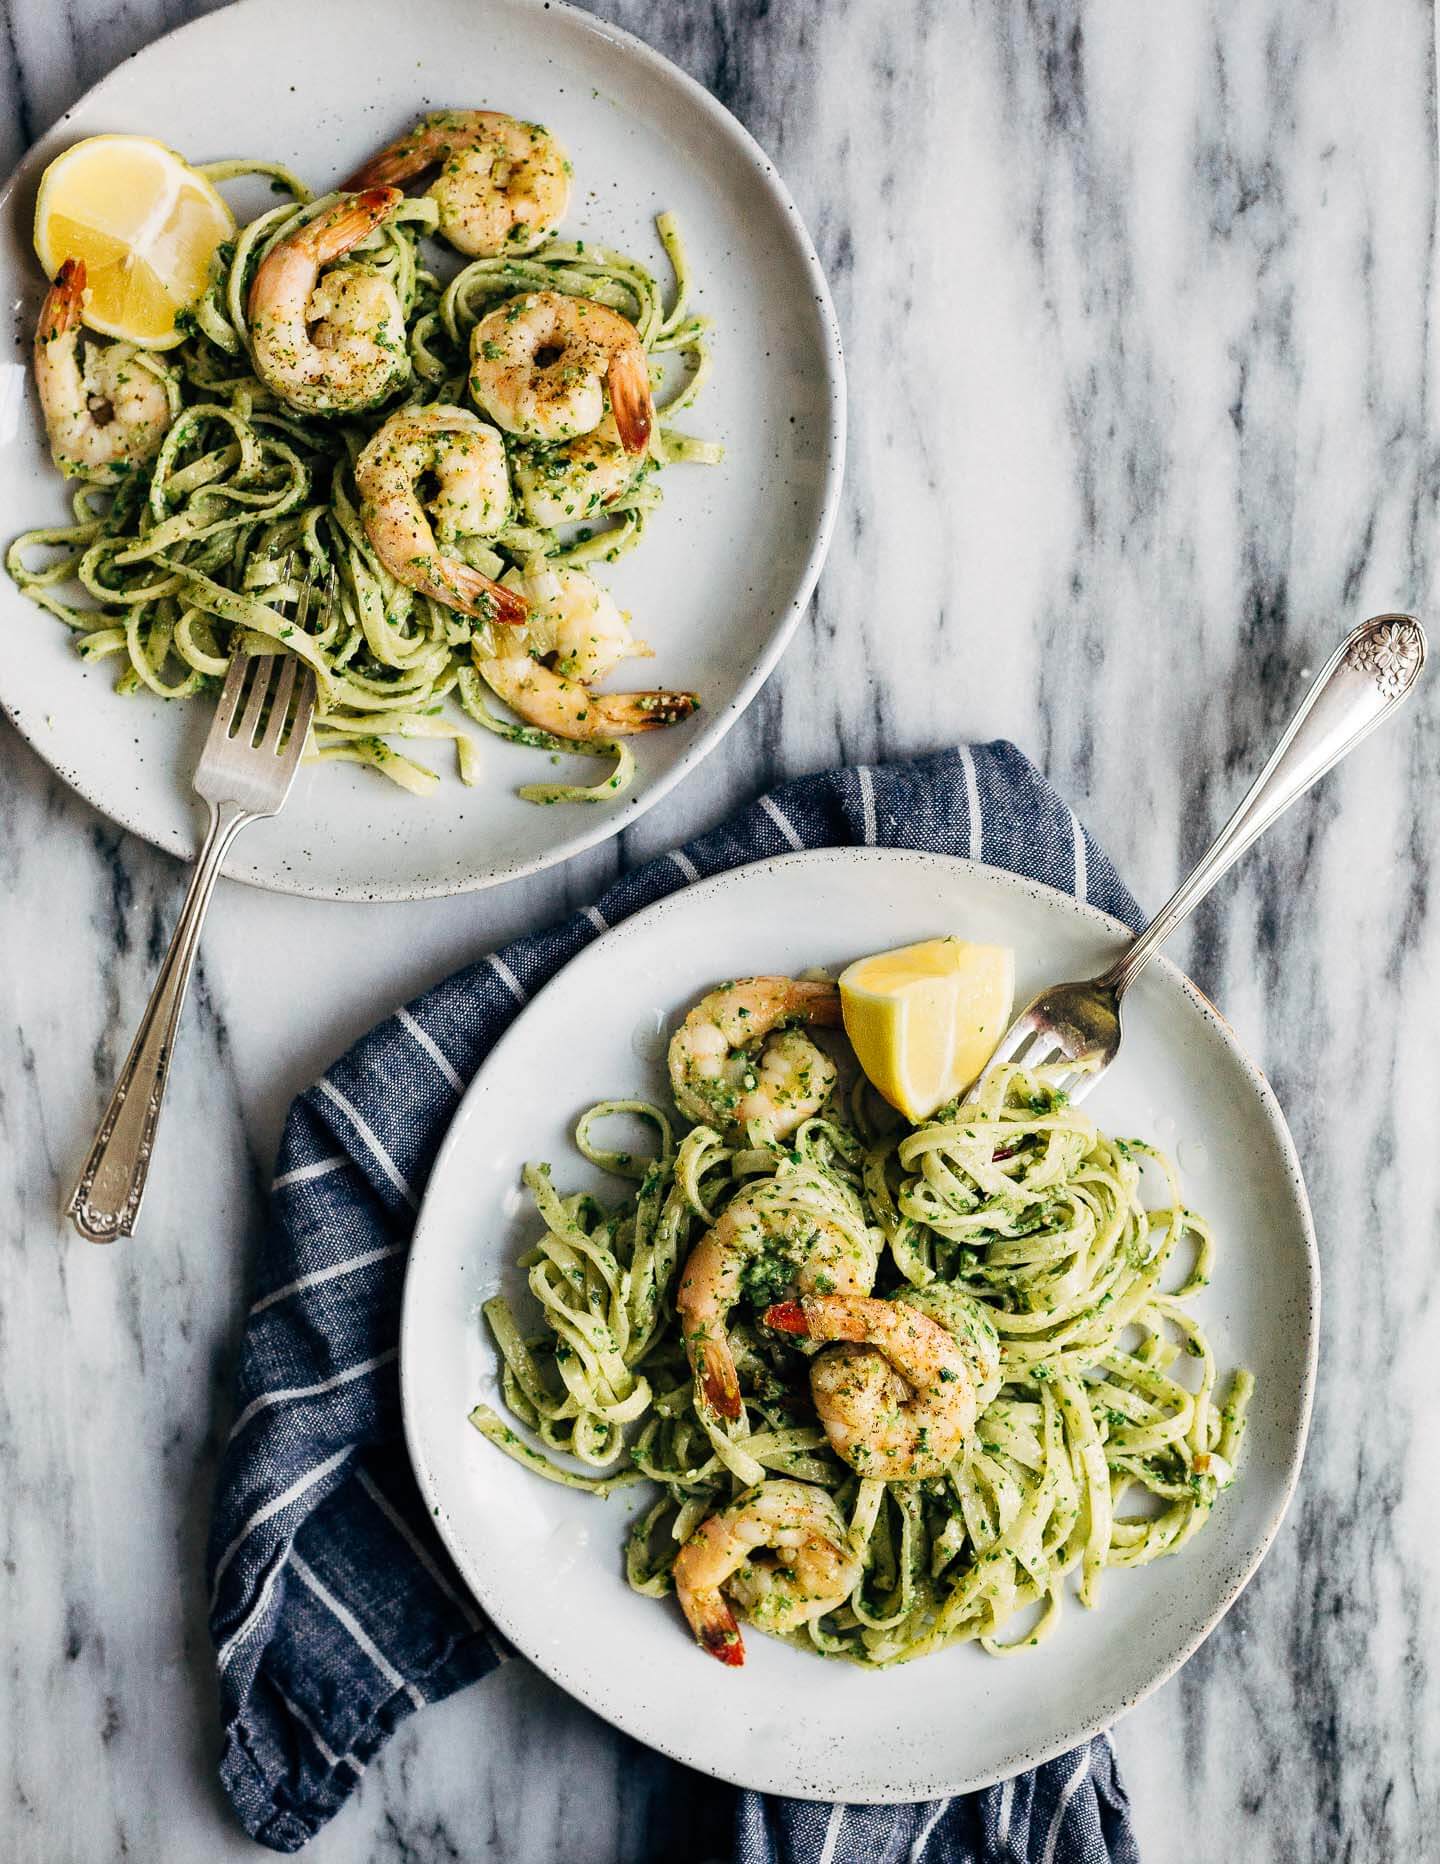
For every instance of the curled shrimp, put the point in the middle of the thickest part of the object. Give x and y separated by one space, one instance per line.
781 1554
502 184
329 342
897 1394
428 479
107 412
574 634
544 365
572 618
578 479
548 700
738 1059
777 1232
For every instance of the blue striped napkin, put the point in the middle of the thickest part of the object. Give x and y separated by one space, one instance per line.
335 1610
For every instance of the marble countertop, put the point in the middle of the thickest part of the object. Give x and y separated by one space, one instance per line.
1139 306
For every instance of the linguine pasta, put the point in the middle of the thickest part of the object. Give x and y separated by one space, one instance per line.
1011 1219
198 552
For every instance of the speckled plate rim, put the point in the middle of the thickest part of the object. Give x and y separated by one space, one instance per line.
1108 1710
598 825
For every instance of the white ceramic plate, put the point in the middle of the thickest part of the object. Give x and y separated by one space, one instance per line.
723 573
546 1562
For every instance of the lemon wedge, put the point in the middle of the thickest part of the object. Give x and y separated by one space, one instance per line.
925 1019
146 226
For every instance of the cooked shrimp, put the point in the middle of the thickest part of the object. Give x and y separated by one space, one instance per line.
714 1071
329 342
502 186
541 366
774 1233
108 412
572 618
548 700
574 634
565 484
428 479
897 1397
782 1555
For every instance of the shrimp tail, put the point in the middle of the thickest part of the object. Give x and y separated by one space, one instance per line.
720 1636
64 303
631 401
628 713
502 605
718 1380
348 221
820 1003
433 140
320 241
460 586
391 167
823 1316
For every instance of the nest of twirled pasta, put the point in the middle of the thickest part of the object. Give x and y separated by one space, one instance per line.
894 1384
461 448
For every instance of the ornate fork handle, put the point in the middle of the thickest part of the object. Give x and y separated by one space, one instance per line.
105 1202
1368 675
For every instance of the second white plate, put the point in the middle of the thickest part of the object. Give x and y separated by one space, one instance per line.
547 1563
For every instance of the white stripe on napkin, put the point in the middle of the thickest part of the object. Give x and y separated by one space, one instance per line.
832 1834
343 1615
685 864
316 1276
402 1528
507 977
252 1617
972 796
1007 1802
431 1048
273 1507
327 1753
1081 877
1062 1806
917 1850
867 805
778 816
266 1399
317 1168
366 1132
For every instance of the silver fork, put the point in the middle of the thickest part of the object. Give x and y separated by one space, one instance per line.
1367 677
245 773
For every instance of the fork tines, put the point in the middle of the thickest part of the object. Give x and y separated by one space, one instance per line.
268 698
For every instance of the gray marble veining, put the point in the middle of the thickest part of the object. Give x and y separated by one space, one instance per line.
1139 306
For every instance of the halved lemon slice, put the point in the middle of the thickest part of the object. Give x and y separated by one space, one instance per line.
146 226
925 1019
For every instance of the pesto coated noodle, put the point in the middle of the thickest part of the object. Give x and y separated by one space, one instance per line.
1013 1222
174 563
